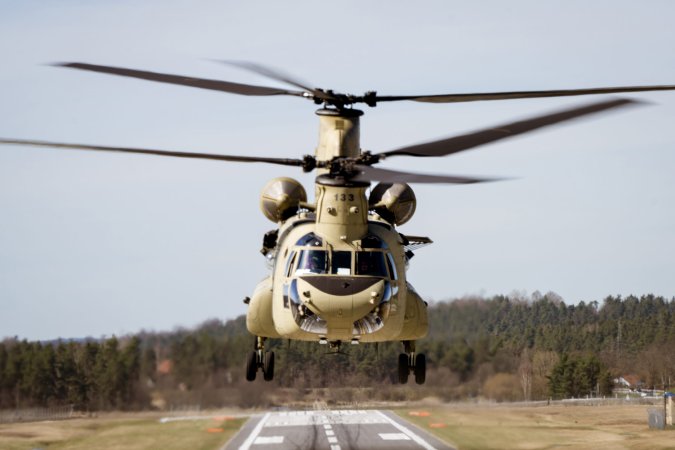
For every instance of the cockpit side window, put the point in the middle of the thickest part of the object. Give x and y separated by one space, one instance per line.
311 240
371 263
341 263
372 241
289 264
392 267
311 261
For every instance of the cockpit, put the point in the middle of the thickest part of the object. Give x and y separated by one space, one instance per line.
344 271
373 260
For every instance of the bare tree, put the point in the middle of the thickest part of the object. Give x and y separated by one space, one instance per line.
543 363
525 373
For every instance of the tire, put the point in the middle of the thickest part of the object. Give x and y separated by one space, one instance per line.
252 365
403 370
420 368
268 367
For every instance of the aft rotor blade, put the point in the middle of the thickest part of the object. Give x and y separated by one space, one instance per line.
368 173
144 151
202 83
468 141
473 97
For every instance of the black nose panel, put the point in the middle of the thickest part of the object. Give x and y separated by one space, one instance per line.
340 285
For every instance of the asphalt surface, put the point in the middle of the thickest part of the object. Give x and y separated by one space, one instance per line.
332 430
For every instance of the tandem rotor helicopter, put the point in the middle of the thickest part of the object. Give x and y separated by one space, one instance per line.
338 263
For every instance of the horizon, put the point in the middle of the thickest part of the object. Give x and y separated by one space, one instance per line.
515 297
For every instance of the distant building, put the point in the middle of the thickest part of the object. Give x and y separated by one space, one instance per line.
631 382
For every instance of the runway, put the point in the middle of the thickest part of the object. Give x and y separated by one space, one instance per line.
332 430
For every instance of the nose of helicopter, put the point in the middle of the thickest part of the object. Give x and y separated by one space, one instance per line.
340 300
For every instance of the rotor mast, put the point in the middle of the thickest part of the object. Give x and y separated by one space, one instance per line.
341 204
339 134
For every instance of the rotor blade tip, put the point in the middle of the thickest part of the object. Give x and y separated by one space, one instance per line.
71 65
629 101
494 180
642 102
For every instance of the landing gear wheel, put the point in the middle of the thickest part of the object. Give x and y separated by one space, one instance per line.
252 365
268 366
403 369
420 368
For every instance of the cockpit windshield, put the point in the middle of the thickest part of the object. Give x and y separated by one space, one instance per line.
341 263
371 263
311 261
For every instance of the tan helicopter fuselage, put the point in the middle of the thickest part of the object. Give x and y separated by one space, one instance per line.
338 270
356 289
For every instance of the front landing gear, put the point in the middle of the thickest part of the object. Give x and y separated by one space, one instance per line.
259 358
411 362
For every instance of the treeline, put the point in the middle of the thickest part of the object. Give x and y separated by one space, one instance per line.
93 375
527 340
505 348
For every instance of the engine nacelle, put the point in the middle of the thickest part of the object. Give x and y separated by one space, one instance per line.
395 202
281 197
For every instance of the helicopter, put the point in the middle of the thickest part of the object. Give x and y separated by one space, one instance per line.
338 263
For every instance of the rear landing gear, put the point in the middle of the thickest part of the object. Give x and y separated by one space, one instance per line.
260 359
411 362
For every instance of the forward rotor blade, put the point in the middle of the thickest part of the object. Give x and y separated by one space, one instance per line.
142 151
273 74
202 83
473 97
468 141
368 173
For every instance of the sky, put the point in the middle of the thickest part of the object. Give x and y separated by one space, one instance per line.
96 244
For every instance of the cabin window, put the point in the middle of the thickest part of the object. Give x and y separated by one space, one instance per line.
371 263
341 263
311 261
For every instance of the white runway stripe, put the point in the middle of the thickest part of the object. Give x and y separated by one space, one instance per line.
254 434
405 430
333 423
261 440
394 437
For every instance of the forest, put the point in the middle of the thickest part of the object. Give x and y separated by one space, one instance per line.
503 348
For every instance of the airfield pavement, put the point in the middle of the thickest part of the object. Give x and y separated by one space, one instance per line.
332 430
430 425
